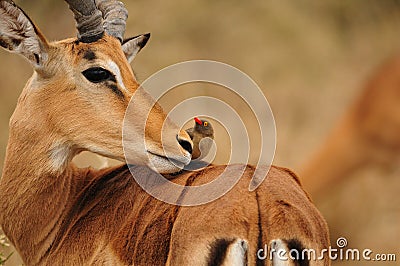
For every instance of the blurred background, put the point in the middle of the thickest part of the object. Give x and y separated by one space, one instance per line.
312 60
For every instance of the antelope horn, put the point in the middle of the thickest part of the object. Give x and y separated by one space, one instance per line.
89 20
115 16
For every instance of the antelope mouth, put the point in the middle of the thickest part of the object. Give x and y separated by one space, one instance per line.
161 161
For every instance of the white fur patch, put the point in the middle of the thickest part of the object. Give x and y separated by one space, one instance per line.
116 71
237 253
60 155
280 253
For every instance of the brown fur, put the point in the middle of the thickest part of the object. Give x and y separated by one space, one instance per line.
109 219
57 214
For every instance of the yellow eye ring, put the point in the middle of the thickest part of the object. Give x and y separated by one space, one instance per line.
205 124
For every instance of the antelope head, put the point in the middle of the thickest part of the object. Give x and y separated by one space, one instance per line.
81 87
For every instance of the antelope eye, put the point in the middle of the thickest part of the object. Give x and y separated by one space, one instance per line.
98 74
205 124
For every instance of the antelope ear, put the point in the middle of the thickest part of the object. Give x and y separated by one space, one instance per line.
19 35
132 46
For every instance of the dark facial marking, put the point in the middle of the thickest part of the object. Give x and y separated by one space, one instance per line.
89 55
115 89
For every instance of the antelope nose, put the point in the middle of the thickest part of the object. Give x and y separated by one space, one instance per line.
185 144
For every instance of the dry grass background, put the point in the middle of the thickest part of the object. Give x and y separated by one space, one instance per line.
311 59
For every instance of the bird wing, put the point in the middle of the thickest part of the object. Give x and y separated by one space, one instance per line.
205 145
190 132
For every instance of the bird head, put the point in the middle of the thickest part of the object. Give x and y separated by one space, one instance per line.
204 127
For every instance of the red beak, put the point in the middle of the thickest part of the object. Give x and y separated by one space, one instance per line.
198 121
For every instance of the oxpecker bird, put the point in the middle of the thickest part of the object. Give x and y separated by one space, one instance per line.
202 135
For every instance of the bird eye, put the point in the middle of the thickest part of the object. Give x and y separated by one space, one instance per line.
205 124
98 74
